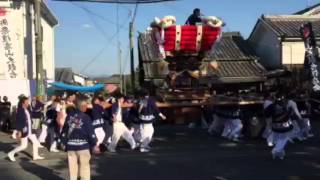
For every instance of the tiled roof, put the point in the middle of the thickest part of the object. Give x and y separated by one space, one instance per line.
240 71
289 27
232 47
237 62
48 14
307 9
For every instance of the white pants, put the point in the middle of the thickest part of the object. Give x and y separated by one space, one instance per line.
270 138
267 134
137 132
227 128
24 144
296 132
305 126
268 129
217 125
36 123
121 130
280 139
147 131
236 128
100 135
43 134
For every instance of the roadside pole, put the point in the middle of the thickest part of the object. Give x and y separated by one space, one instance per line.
131 38
39 56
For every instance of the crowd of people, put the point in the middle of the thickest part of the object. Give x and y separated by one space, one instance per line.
285 121
82 125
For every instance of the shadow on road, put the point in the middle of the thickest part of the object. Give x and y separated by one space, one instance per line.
39 171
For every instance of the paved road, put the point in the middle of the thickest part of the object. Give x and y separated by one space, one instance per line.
179 153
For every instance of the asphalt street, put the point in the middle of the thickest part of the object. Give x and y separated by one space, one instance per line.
178 153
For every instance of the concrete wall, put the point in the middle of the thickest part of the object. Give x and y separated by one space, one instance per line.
266 45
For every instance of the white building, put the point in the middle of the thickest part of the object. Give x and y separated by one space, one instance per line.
17 47
277 41
66 75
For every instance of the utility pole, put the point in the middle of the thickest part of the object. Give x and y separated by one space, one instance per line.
119 52
39 40
131 38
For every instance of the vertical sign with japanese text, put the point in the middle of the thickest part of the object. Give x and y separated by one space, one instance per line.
10 43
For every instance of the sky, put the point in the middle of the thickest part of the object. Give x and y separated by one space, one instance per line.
86 38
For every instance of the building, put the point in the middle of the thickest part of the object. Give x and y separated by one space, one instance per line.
17 47
310 11
277 41
237 61
66 75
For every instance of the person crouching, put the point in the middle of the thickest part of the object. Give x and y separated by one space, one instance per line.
79 138
147 110
119 128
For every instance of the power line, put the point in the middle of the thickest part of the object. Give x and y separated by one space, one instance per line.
174 9
103 49
122 1
87 10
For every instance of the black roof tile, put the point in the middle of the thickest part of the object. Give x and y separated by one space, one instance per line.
307 9
289 27
232 47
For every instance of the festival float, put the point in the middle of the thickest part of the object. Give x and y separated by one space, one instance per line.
176 64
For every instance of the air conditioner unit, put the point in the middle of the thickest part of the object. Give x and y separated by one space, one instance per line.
5 3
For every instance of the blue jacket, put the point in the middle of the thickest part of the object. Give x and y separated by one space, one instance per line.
22 122
97 115
37 108
78 133
114 110
281 122
51 117
147 110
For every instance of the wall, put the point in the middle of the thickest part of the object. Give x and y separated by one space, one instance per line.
293 53
12 60
79 79
266 45
48 49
